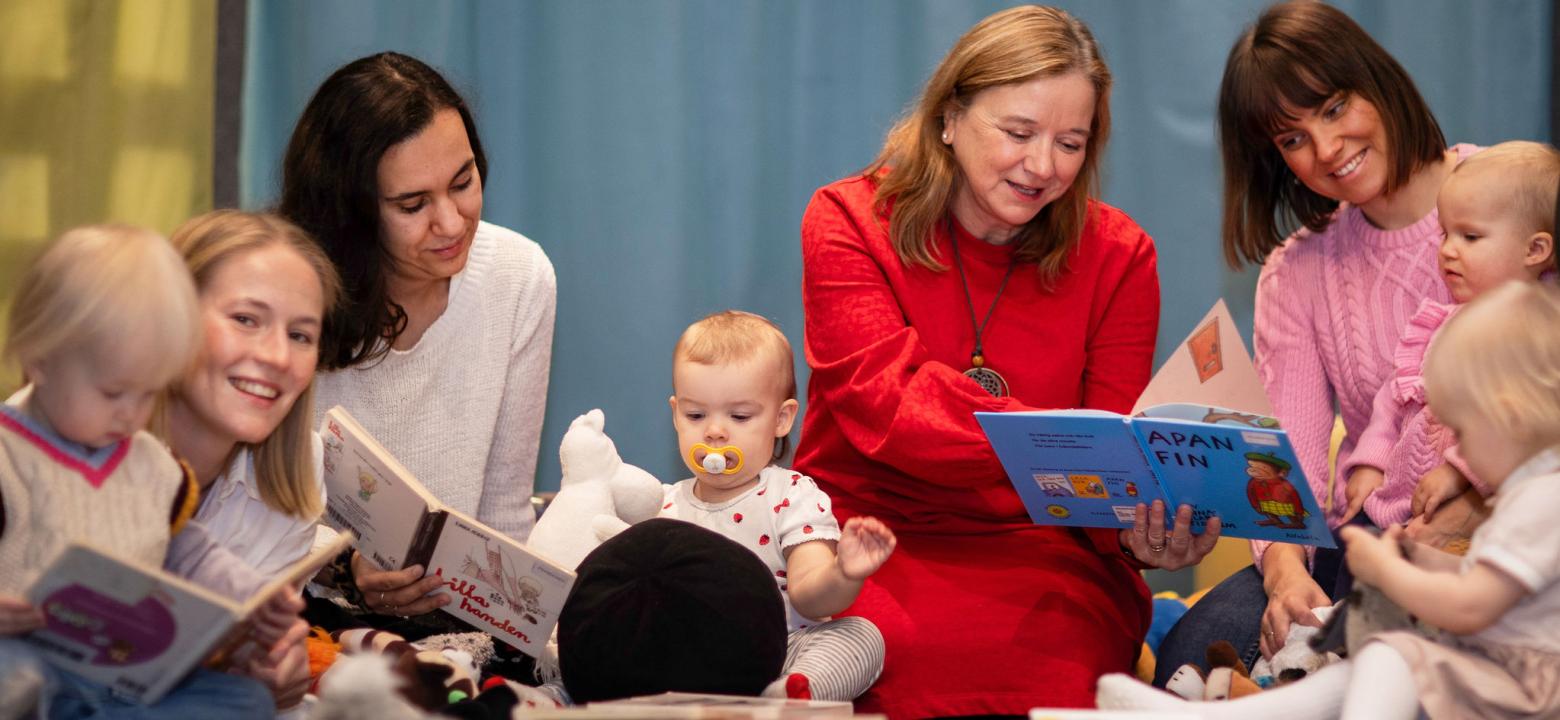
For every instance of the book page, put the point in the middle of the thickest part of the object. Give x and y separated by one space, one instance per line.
1072 467
1210 367
136 629
499 585
368 492
1245 473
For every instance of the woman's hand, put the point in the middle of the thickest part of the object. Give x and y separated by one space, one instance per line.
1436 487
402 592
1363 481
17 616
1292 595
865 544
1148 542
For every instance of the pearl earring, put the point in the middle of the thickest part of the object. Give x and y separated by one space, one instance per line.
946 137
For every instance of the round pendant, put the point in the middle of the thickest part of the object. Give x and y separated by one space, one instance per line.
989 380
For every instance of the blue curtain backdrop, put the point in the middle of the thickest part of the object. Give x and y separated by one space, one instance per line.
662 152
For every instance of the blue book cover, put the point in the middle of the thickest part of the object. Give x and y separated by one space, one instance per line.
1090 468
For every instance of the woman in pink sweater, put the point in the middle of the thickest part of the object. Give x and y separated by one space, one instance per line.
1319 128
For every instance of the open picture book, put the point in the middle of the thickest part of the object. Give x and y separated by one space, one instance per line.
498 585
1202 433
139 630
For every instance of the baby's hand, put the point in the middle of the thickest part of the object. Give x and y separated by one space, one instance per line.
1363 481
1436 487
865 544
1370 554
17 616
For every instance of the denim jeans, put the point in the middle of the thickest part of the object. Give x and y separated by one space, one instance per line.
1233 609
204 694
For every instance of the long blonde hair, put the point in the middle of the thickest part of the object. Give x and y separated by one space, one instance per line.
284 461
919 172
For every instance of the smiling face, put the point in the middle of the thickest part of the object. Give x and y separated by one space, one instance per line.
1339 150
1486 240
1019 147
262 313
737 403
430 200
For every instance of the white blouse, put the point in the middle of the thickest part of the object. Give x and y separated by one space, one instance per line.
234 515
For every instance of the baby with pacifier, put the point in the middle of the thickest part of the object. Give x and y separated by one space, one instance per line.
733 405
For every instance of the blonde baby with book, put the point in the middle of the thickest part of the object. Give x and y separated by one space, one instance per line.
733 405
100 325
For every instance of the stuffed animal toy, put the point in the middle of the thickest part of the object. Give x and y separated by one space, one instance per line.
431 679
1296 658
1225 679
598 497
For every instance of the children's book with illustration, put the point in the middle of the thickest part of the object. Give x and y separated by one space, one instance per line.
137 629
497 584
1201 434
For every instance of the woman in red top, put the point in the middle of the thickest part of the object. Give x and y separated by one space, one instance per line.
967 269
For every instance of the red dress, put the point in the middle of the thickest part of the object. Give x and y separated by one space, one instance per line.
982 611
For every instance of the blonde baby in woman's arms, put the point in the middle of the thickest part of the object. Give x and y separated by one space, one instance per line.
733 405
100 325
1497 213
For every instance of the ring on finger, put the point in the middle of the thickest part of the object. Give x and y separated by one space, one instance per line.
1160 547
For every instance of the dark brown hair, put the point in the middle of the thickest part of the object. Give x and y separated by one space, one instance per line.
1296 57
330 187
1011 47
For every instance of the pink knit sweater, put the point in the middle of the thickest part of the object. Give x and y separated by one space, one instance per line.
1331 308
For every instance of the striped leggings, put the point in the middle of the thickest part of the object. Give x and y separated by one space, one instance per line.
841 658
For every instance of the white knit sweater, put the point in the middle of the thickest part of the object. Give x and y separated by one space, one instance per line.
463 408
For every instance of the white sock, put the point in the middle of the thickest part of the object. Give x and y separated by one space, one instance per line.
1389 693
1318 697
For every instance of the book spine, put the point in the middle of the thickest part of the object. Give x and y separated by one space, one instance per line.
427 538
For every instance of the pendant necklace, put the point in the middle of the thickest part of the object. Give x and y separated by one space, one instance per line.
989 380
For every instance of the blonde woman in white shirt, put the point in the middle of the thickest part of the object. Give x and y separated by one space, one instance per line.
242 417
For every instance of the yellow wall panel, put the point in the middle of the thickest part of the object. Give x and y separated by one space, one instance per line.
33 37
24 196
152 43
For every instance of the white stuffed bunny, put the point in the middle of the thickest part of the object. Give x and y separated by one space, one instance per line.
599 496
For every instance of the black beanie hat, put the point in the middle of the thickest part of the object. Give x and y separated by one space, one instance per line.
667 606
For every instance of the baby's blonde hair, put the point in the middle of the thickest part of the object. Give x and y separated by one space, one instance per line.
736 336
1501 357
1533 169
115 288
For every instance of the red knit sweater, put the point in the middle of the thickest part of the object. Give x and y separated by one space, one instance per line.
982 611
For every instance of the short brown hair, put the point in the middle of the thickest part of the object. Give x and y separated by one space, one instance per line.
1296 56
1011 47
736 336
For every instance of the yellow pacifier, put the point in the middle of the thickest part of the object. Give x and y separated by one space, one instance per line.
715 461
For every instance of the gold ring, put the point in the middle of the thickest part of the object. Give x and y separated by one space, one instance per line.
1156 548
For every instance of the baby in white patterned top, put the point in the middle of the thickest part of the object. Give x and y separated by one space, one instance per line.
733 404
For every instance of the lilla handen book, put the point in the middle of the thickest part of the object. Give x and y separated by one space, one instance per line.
497 584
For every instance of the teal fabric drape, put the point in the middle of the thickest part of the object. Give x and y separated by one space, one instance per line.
662 151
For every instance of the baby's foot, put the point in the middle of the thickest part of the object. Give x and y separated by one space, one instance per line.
794 686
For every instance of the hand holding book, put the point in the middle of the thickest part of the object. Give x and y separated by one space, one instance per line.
1147 542
403 592
17 616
